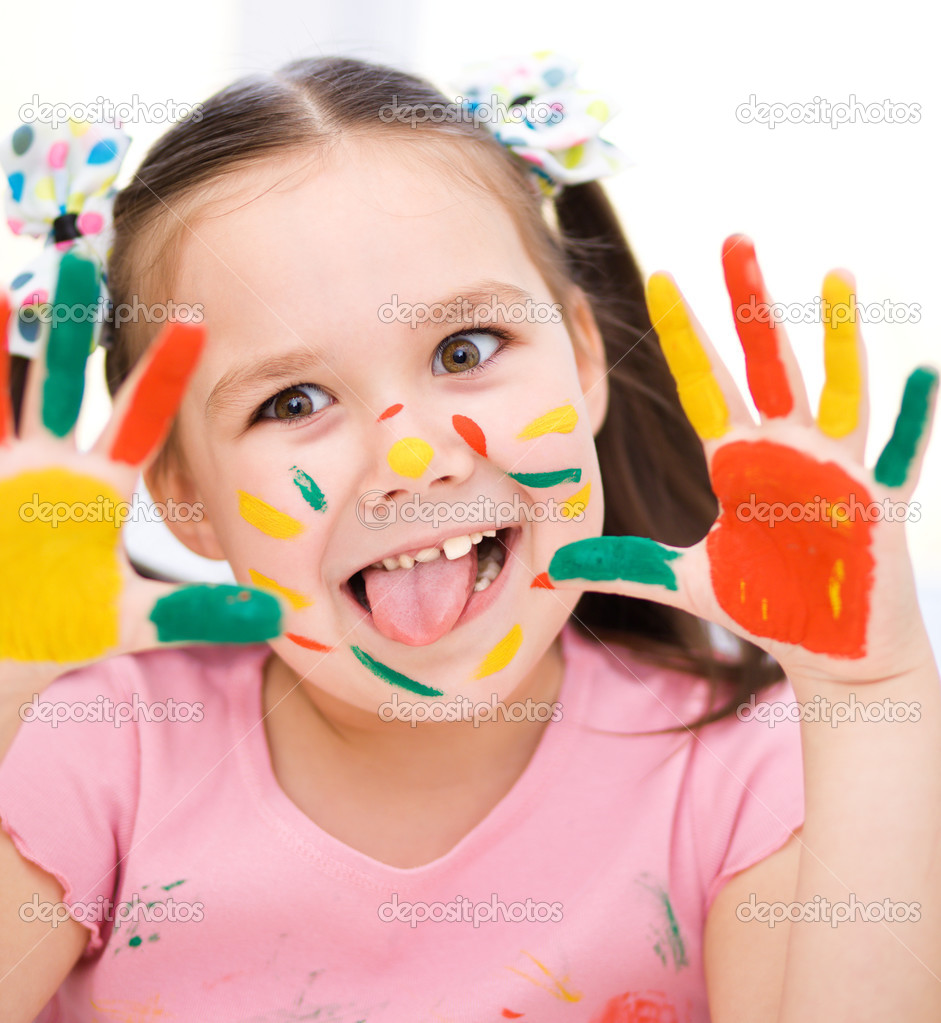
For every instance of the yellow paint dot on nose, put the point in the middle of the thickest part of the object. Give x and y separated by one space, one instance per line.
410 456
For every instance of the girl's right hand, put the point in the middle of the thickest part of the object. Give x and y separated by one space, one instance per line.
68 594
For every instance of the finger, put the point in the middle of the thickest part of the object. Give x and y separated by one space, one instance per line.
844 407
6 406
773 376
150 398
67 348
706 391
631 566
900 461
224 613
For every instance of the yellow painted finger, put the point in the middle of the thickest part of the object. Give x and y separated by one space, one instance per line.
843 386
699 391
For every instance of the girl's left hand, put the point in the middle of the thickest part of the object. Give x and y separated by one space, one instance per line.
807 557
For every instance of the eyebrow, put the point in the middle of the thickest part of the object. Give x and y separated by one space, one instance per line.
300 362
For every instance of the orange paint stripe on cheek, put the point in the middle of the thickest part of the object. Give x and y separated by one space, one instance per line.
159 392
390 412
307 644
470 433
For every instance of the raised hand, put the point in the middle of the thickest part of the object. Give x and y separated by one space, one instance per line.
68 593
807 557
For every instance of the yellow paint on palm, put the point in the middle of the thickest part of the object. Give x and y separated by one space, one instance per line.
293 597
834 587
764 609
410 456
501 655
558 420
266 518
577 503
60 581
843 386
699 391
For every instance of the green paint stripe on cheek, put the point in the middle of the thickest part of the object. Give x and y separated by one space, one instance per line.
217 614
541 480
633 558
313 495
392 676
897 456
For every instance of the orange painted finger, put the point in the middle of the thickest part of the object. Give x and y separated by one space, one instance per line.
157 392
760 336
6 408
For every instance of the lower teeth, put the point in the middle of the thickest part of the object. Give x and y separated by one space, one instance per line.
487 571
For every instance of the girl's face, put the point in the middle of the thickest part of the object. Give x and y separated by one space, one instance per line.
353 406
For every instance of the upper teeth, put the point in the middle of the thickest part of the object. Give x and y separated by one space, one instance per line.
454 547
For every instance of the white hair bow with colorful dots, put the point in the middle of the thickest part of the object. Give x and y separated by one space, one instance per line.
533 106
60 186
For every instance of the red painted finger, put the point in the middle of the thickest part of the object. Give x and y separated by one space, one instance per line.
6 408
159 392
751 307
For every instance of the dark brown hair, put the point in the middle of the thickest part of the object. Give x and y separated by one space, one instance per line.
652 465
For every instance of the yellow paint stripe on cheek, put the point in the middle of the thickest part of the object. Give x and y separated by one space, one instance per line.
293 597
501 655
577 503
843 386
410 456
559 420
266 518
60 581
699 391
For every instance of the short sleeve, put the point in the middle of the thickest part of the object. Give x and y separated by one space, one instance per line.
748 788
69 784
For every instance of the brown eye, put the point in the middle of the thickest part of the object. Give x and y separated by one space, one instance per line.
296 403
459 354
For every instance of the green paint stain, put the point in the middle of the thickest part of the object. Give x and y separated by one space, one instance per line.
313 495
393 677
70 338
135 941
154 937
541 480
217 614
602 558
897 456
669 938
176 884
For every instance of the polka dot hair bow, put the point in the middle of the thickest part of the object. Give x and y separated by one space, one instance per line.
60 187
533 106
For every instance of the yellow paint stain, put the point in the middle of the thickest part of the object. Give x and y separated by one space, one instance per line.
842 391
127 1011
501 655
764 609
741 589
836 581
558 988
699 391
577 503
266 518
410 456
60 585
295 599
558 420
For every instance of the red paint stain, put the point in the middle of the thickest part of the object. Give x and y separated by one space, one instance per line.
470 432
159 391
638 1007
777 581
307 644
390 412
6 409
510 1014
541 582
767 378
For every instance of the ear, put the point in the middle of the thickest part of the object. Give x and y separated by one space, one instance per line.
167 479
590 357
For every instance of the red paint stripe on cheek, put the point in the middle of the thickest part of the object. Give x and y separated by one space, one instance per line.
471 433
767 378
307 644
159 392
390 412
541 582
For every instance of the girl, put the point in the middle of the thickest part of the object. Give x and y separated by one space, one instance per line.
423 793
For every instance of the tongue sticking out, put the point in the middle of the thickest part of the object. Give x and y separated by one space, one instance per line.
418 605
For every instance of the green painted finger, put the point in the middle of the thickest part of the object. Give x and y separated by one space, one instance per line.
217 614
897 456
74 310
603 558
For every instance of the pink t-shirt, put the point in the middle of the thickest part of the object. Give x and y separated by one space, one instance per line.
606 855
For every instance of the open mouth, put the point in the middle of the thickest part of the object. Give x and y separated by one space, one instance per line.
418 596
